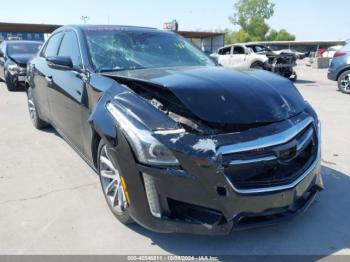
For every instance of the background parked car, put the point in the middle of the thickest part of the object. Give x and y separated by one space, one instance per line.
241 56
244 56
320 52
298 54
340 69
330 52
14 56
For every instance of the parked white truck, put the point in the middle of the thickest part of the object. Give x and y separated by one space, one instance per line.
244 56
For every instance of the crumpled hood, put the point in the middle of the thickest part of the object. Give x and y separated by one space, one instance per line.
219 95
22 59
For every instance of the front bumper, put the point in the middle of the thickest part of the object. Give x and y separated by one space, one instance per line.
238 211
199 200
16 79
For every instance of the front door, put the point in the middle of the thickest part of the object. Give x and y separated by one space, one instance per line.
238 57
66 93
42 76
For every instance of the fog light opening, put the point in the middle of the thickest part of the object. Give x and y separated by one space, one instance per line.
152 196
222 191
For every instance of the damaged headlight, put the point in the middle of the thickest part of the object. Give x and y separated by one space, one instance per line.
13 69
147 149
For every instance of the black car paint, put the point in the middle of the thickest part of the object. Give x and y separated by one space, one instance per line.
229 94
21 59
74 102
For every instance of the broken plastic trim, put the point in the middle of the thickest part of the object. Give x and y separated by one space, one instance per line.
170 132
147 149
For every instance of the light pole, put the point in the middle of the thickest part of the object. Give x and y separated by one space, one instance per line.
85 19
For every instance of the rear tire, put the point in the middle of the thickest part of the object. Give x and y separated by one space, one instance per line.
344 82
38 123
110 178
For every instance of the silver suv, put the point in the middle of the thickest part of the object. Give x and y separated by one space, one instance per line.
340 69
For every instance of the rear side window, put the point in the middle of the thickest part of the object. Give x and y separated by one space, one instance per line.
70 48
51 48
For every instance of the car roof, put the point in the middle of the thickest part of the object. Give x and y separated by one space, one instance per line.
87 28
22 41
231 45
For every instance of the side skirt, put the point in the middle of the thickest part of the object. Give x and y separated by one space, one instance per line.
81 154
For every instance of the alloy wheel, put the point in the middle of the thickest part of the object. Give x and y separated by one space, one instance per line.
345 83
31 106
112 183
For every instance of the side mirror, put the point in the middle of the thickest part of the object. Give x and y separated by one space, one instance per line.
60 62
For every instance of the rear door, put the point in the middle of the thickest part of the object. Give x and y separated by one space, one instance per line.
66 92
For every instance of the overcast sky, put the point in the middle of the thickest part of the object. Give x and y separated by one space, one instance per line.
307 19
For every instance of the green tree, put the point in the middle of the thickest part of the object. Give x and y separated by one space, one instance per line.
257 29
272 36
251 16
282 35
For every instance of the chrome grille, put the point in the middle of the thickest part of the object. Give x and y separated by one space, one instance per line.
277 160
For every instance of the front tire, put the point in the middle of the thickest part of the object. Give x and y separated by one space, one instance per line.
33 112
257 65
112 186
344 82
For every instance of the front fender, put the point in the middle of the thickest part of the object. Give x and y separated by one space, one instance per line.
103 123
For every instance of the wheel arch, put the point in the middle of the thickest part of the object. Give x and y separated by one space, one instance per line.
342 71
103 128
256 61
96 138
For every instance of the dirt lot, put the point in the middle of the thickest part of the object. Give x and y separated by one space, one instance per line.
51 203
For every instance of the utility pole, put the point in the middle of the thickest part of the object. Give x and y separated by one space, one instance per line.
85 19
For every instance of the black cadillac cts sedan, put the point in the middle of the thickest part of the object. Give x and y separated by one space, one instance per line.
180 144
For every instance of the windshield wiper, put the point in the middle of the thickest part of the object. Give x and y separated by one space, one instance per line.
120 69
111 70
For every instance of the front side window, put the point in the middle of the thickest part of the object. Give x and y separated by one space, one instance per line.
225 51
23 48
70 48
238 50
53 44
112 50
